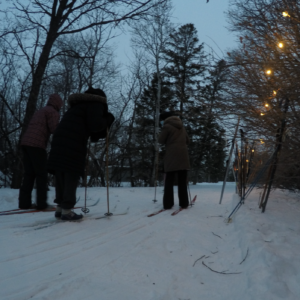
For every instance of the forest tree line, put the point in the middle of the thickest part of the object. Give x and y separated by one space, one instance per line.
64 47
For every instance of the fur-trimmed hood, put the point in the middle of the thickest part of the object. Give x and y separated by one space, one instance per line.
81 98
174 121
174 136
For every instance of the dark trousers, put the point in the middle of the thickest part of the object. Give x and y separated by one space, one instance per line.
168 199
65 188
34 161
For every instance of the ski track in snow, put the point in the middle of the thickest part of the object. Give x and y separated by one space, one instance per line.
163 257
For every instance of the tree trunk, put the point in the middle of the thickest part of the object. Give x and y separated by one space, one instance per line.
37 79
156 133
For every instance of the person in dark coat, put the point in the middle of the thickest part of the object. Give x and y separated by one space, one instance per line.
33 143
176 161
86 117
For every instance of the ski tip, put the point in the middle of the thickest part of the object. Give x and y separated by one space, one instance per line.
156 213
177 211
151 215
228 220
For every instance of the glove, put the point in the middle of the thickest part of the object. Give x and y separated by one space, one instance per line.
95 136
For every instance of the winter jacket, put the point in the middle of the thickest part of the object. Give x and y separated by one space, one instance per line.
86 117
43 123
175 138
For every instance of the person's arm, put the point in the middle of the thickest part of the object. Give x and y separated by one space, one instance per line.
52 117
96 121
98 126
163 136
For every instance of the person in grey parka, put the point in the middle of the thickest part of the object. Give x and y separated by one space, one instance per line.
176 161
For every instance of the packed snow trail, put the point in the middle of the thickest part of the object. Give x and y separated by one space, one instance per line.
161 258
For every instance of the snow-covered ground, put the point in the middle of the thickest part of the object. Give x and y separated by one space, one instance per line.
193 255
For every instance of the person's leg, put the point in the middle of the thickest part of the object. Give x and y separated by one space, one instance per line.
69 193
59 192
27 182
168 199
38 157
182 189
59 187
69 200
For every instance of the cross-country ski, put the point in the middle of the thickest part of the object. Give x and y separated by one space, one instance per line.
181 209
28 211
156 213
86 217
173 213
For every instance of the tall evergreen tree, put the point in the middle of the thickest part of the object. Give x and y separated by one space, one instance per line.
209 153
144 127
195 89
185 63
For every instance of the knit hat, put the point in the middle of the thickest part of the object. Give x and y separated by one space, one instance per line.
55 101
90 95
93 91
167 114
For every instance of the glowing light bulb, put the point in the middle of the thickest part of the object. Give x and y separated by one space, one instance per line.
266 105
285 14
274 93
252 150
269 72
261 114
280 45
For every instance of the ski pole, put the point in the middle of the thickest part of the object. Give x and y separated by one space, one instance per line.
107 176
156 175
188 186
85 209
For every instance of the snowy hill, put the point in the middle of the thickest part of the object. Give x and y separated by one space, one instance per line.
193 255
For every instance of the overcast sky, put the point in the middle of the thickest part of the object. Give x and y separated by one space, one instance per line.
208 18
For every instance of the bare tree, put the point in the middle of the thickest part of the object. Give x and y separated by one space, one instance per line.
51 19
151 35
264 80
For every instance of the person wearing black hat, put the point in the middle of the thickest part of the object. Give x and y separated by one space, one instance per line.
87 117
176 161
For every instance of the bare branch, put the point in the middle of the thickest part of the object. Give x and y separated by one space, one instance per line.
198 260
245 256
223 272
10 109
216 235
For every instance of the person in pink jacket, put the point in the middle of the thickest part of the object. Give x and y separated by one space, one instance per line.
34 142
